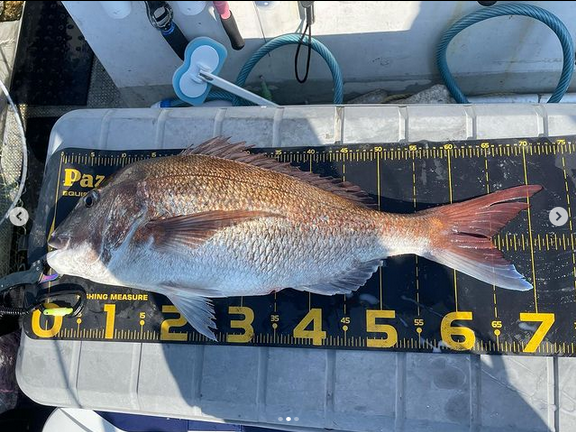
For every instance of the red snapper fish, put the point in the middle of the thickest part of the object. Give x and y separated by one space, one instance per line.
217 221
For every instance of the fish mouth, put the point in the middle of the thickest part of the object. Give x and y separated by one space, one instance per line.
58 242
51 255
52 259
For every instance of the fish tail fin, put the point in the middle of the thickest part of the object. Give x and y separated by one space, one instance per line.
461 236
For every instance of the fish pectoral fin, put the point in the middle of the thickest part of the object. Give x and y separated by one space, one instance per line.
198 311
345 282
193 230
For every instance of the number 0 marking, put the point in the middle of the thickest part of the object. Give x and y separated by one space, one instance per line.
546 321
47 332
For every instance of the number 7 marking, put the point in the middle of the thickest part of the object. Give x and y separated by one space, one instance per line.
546 321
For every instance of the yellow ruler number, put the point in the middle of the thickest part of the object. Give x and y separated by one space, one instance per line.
47 332
546 321
457 337
317 335
167 324
373 327
110 310
244 324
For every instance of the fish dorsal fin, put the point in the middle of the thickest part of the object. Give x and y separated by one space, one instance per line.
220 147
345 282
193 230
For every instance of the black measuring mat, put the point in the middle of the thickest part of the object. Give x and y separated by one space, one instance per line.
411 304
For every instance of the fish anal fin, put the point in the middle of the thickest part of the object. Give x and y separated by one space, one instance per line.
345 282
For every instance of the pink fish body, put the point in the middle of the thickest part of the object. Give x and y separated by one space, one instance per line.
216 221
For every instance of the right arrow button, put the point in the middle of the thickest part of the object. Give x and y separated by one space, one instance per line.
558 216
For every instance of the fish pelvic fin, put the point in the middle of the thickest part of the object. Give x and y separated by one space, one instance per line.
461 236
198 311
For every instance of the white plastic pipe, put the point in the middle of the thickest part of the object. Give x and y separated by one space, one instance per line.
234 89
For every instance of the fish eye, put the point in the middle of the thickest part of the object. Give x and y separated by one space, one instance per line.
91 198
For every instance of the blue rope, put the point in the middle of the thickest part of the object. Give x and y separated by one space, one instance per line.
280 41
531 11
219 94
